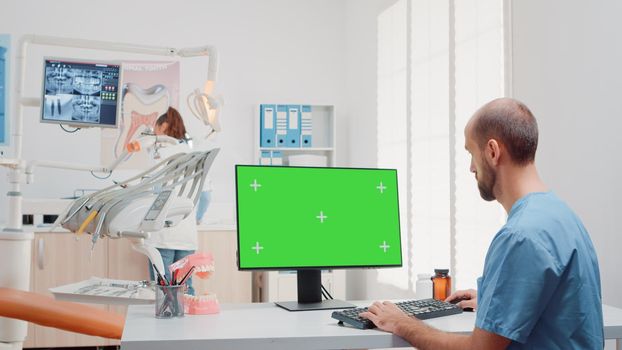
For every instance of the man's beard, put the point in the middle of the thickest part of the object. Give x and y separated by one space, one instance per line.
487 182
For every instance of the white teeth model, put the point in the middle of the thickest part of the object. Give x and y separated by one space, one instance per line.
209 297
194 298
204 268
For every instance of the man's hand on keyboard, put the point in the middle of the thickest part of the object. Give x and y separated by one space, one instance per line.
465 299
387 316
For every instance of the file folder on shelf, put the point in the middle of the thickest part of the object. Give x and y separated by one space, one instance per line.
281 125
277 158
268 130
306 126
293 126
265 158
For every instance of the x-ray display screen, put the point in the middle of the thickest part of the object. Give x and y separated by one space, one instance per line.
303 217
80 93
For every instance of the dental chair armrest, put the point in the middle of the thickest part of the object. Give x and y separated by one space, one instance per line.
73 317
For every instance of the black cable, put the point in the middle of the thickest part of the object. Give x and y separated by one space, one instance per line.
325 290
324 295
69 131
101 177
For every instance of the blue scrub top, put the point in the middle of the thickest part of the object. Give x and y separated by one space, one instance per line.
541 282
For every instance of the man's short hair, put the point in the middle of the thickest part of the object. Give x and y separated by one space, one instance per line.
511 123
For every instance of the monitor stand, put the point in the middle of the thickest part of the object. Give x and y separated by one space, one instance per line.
310 294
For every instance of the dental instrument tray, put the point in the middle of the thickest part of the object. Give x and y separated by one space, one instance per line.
106 291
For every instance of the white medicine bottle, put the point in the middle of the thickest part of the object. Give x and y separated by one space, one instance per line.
423 287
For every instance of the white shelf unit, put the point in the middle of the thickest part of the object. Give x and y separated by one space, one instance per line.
271 286
323 135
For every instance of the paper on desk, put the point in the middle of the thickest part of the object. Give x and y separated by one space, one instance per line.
106 291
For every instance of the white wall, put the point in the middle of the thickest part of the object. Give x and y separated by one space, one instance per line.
270 51
362 100
567 68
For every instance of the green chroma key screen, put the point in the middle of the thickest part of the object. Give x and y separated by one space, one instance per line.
303 217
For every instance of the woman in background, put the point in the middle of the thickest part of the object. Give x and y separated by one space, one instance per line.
179 241
171 124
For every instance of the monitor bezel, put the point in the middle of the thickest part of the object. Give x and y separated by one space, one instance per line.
294 268
82 124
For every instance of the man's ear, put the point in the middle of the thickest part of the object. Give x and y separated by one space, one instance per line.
493 152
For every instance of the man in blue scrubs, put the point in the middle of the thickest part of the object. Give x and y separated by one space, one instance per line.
541 284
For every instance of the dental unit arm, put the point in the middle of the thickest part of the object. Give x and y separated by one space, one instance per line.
156 199
142 143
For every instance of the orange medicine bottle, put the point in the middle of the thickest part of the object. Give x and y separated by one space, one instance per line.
441 284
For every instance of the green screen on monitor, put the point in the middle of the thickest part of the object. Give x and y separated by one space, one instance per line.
302 217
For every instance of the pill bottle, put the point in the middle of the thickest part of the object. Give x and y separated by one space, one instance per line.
442 284
423 287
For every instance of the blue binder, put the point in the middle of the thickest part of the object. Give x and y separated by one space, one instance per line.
281 125
3 103
277 158
306 126
265 158
268 129
293 126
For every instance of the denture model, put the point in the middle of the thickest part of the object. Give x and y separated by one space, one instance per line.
202 266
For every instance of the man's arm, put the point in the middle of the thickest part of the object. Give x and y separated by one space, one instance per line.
390 318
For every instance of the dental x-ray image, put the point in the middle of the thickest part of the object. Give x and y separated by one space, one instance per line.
86 109
87 82
80 93
58 80
58 107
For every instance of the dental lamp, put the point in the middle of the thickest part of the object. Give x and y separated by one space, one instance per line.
207 109
203 105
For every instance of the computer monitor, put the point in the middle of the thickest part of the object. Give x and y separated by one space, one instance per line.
81 93
311 219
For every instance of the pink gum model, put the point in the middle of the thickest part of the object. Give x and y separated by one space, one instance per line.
203 268
201 305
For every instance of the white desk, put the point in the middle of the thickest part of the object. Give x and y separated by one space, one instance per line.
266 326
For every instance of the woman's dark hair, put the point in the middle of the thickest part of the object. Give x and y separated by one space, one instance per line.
175 125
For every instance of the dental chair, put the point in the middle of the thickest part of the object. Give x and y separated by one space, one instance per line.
157 198
73 317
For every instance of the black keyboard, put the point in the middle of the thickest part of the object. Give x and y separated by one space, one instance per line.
421 309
